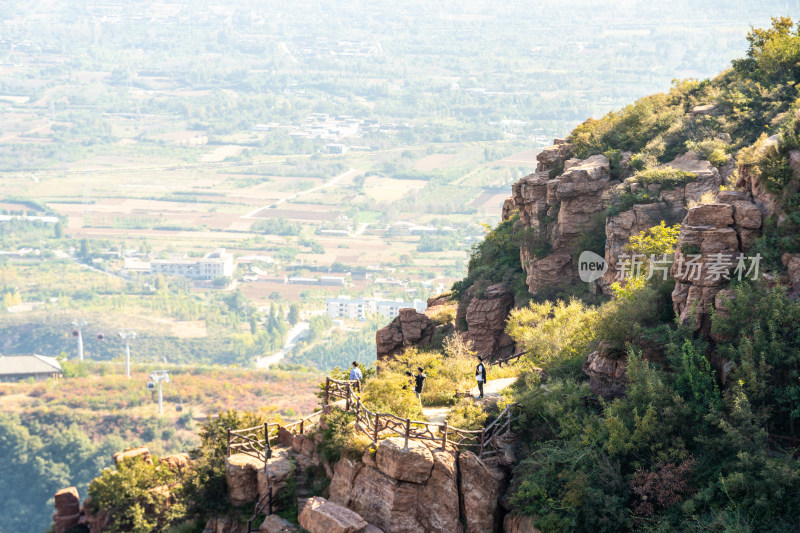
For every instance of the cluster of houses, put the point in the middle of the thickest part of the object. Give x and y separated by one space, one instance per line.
213 265
360 308
328 127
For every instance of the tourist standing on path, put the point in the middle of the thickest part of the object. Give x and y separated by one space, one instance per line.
355 375
480 375
419 380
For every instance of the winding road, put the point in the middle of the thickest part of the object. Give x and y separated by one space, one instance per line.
334 181
297 332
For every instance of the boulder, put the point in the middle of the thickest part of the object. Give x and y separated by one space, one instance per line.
705 109
508 209
480 487
516 523
553 156
279 469
68 509
412 464
303 444
713 215
607 377
141 453
746 215
486 322
322 516
67 501
177 462
275 524
408 328
241 475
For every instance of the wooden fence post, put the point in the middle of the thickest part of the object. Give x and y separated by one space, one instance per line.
302 423
229 442
327 390
270 498
267 445
377 421
444 436
483 434
408 430
347 403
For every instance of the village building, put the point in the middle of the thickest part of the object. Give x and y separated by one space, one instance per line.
22 367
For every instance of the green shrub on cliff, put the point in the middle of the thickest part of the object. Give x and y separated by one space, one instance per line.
495 259
137 496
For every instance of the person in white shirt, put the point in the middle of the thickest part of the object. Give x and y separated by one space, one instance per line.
480 375
355 375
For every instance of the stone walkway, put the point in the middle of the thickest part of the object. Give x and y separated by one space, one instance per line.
491 391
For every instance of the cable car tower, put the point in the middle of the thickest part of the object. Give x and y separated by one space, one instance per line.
79 324
157 377
127 335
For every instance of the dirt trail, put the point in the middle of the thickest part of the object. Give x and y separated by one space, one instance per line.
491 391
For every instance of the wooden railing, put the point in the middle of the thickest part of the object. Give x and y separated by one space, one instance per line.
511 359
257 442
484 442
252 441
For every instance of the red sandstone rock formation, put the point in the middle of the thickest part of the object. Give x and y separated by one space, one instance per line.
708 252
68 509
408 328
141 453
486 322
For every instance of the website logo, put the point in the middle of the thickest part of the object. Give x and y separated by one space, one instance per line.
591 266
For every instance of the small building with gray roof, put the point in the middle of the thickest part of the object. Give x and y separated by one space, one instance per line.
22 367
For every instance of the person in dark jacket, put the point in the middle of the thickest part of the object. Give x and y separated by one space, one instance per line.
410 377
480 375
419 383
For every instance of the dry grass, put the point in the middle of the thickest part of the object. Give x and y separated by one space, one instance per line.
708 197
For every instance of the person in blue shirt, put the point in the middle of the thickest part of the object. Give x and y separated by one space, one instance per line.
355 375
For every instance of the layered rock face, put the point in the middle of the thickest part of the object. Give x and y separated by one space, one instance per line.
669 205
556 211
711 247
749 181
412 489
248 480
481 485
408 328
484 320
